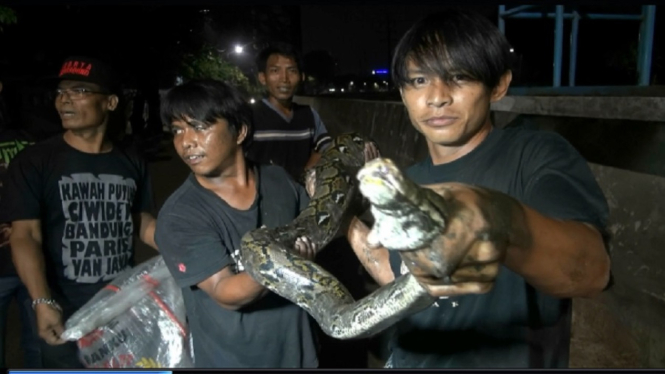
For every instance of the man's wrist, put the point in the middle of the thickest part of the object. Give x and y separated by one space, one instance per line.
47 301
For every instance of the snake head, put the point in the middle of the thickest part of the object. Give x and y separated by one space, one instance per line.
381 182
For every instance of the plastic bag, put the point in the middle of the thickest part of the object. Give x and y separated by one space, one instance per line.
138 320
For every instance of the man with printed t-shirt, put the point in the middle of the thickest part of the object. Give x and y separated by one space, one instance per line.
75 202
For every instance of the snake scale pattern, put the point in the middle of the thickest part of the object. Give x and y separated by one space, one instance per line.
408 217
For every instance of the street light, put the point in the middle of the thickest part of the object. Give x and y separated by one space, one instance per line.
238 49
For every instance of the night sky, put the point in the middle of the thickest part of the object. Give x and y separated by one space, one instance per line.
147 39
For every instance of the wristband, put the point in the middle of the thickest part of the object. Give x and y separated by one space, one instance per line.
42 300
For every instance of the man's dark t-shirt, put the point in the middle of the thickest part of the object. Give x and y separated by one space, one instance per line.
513 325
199 234
85 203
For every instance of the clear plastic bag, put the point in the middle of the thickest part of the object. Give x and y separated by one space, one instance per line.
138 320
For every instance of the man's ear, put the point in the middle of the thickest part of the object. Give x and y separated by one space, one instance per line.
262 78
242 134
113 102
502 88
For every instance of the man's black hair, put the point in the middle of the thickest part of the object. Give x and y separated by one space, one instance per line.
283 49
208 100
454 42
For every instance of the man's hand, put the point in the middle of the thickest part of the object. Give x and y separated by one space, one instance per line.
465 259
49 324
306 248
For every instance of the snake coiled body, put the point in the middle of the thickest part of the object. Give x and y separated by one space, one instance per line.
268 257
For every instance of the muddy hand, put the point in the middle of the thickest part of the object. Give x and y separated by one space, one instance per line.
466 258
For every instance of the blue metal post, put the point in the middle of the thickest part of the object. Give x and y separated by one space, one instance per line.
645 49
502 22
514 10
558 45
573 49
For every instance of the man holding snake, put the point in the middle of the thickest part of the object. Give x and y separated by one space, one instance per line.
525 230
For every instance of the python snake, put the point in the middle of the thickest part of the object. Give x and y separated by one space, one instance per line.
408 217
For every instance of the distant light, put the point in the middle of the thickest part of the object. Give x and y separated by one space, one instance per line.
238 49
384 82
331 89
365 83
512 50
342 90
252 101
373 72
381 71
351 83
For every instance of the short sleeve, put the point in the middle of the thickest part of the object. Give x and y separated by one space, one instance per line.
191 249
23 191
322 140
560 184
143 201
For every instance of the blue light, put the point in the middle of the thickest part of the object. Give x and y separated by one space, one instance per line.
89 371
381 71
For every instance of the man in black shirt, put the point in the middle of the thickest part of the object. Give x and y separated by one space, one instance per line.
75 202
526 229
234 321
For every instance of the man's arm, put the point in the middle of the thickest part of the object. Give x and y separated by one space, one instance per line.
147 224
560 257
313 159
321 138
233 291
26 245
563 258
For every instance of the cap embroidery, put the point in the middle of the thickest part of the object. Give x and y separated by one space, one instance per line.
76 67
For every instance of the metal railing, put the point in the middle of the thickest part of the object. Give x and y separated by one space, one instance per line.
645 48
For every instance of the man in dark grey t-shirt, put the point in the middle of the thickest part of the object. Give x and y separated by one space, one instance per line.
234 321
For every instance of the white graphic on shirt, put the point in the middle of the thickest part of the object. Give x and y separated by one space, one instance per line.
97 238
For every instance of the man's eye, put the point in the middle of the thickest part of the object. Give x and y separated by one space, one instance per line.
80 90
417 81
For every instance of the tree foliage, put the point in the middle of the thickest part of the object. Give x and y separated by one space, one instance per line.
209 63
7 16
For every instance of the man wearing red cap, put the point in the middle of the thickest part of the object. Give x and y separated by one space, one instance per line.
75 202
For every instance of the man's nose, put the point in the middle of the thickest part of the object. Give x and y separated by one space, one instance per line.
188 139
439 94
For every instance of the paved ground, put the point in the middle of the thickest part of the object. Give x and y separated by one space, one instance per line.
168 172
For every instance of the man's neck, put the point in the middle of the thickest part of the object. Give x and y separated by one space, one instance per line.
284 106
236 184
444 154
88 141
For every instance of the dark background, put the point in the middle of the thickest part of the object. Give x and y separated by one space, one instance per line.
146 40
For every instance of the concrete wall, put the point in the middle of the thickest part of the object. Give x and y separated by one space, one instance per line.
625 326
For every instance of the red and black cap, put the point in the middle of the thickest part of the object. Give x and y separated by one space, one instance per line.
86 69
